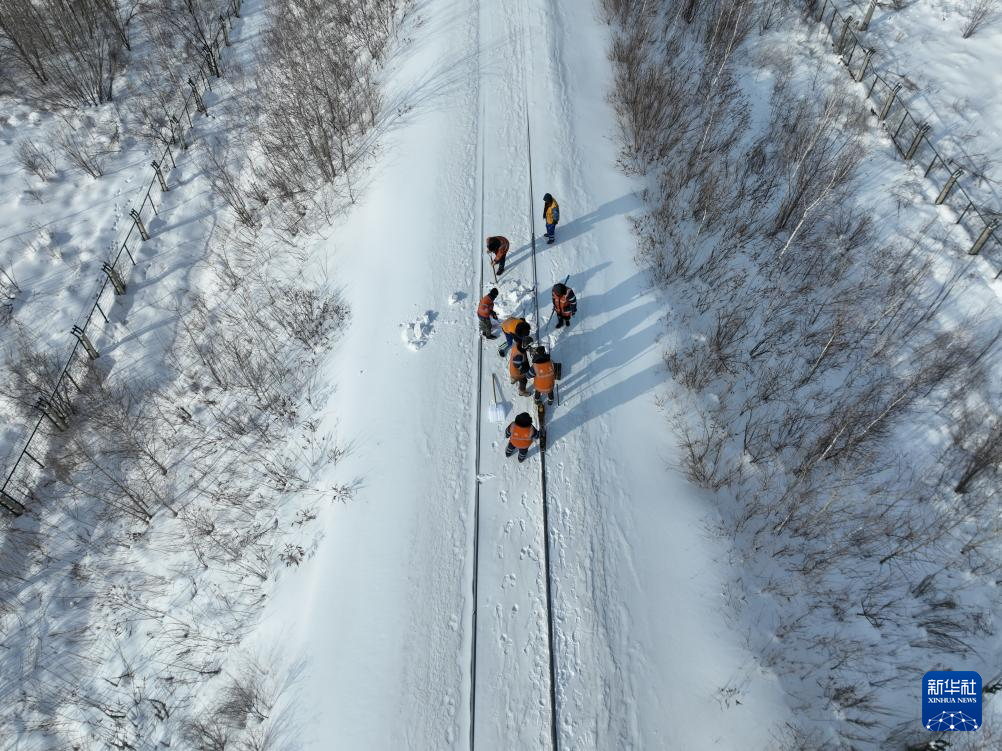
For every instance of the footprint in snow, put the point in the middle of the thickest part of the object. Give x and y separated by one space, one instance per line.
417 333
456 297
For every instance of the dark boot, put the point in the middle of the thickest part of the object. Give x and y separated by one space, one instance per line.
509 450
560 322
522 453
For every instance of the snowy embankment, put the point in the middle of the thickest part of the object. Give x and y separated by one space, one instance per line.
185 480
837 346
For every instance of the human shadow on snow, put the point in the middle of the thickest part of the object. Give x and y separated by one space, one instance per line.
594 357
575 228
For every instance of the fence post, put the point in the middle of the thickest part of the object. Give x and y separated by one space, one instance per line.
160 176
114 277
199 102
179 136
886 109
919 135
44 406
847 61
866 64
82 337
226 31
949 186
983 237
840 44
865 23
139 224
11 504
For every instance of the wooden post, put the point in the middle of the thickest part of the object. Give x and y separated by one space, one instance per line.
11 504
923 128
886 109
199 102
114 277
866 64
139 223
160 176
81 336
949 186
44 406
983 237
865 23
840 44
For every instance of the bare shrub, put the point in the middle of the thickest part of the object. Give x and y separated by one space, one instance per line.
206 734
81 152
227 183
71 51
977 13
980 436
193 21
32 159
318 93
308 316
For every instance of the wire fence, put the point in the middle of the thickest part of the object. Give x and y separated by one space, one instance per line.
911 136
56 408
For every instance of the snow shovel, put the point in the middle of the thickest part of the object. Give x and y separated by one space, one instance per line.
496 412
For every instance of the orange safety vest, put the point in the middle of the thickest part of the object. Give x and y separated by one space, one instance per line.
503 250
521 438
509 325
560 304
486 307
546 374
513 370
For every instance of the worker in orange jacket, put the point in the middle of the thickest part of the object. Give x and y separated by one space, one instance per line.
485 312
513 329
519 367
498 245
565 304
520 434
544 375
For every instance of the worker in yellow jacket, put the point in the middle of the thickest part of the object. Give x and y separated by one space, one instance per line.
551 215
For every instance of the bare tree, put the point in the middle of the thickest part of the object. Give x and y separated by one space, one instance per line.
977 13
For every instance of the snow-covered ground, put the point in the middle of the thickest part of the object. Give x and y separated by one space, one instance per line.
645 656
420 617
948 81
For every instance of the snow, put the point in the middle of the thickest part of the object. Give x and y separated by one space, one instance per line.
665 632
382 614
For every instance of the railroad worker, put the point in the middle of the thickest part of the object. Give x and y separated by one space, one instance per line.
485 312
513 329
565 304
551 215
544 375
498 245
519 366
520 434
